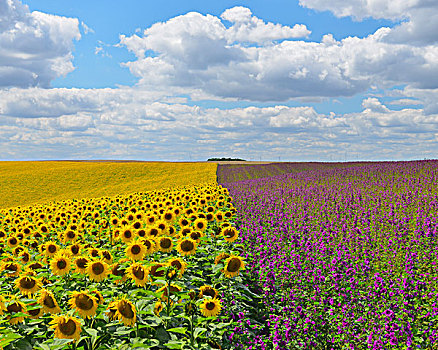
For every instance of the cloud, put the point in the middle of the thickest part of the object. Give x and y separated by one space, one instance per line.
419 18
198 55
129 124
35 47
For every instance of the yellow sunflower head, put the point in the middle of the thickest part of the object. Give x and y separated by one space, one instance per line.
60 265
135 250
15 306
165 244
233 265
66 327
186 247
97 270
47 300
51 248
138 273
84 303
80 264
179 264
210 307
208 291
28 285
229 233
124 310
150 245
200 224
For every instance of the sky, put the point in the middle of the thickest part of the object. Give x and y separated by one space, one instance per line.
289 80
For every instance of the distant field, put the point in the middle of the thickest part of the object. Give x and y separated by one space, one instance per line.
23 183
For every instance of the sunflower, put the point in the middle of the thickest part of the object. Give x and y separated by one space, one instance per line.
158 307
98 295
36 310
15 306
35 266
210 307
126 234
2 304
60 265
178 264
24 256
168 216
183 222
94 252
165 244
219 216
220 257
11 269
150 246
135 250
12 242
208 291
51 248
124 310
69 236
84 303
80 264
152 231
196 236
233 265
28 285
200 224
48 302
118 271
97 270
138 273
157 270
186 247
106 256
66 327
230 234
173 289
74 249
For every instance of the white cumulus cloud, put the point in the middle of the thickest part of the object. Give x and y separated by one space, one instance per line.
35 47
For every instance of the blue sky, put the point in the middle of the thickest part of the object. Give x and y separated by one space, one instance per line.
173 80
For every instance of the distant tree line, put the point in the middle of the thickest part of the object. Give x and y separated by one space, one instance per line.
225 160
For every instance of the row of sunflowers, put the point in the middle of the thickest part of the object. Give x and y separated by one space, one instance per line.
152 270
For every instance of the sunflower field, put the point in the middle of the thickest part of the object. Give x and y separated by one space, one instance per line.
148 270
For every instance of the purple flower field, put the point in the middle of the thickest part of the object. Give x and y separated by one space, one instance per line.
347 256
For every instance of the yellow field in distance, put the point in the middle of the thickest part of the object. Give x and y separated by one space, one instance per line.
25 183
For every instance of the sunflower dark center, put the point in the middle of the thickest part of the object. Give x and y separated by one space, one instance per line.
195 235
15 307
148 244
127 234
141 233
168 216
156 273
51 248
118 271
153 232
75 249
187 246
229 233
13 241
84 302
126 310
165 243
36 266
48 301
27 283
135 249
68 328
94 253
106 255
34 312
210 292
176 264
210 305
61 264
11 267
234 265
71 234
97 268
137 225
81 263
200 225
138 272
